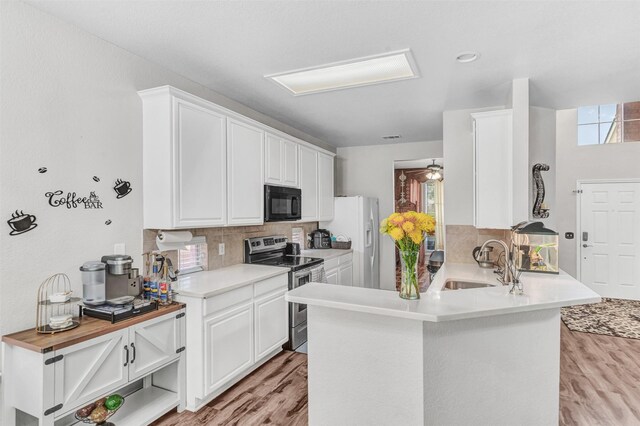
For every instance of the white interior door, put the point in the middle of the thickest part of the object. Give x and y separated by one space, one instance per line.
610 238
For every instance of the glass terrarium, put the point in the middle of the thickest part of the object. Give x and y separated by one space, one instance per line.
536 248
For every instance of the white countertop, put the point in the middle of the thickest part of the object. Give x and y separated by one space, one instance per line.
542 291
325 254
209 283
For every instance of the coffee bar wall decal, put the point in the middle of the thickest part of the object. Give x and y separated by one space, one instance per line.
73 201
42 170
122 188
96 179
21 222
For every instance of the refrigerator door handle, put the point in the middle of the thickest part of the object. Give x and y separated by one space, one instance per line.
373 250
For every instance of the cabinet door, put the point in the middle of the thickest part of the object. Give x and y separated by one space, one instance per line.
493 201
271 324
332 276
325 187
228 346
309 183
346 274
290 163
90 369
152 344
244 164
273 167
200 166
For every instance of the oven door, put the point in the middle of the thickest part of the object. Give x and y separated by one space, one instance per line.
298 311
282 203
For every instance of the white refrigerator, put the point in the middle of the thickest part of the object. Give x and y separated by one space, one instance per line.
356 217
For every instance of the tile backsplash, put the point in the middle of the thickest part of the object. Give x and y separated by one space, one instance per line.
233 239
461 240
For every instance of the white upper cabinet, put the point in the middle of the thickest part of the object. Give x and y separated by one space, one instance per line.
205 166
244 170
280 161
200 163
309 183
493 169
325 187
290 152
184 156
273 167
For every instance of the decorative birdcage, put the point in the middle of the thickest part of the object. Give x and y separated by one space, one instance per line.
55 306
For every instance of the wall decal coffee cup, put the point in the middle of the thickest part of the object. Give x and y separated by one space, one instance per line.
122 188
21 222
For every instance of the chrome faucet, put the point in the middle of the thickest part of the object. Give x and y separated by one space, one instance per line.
509 274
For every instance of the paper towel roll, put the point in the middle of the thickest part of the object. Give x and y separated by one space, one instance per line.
173 240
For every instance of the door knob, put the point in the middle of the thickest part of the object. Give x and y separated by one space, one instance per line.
587 245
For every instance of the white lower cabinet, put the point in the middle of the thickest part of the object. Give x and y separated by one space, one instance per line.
90 369
339 270
228 345
332 275
153 343
146 358
232 333
346 274
271 326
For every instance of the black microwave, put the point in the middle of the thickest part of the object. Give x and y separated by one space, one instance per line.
282 203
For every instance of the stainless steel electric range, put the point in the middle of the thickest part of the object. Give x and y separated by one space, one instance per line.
302 270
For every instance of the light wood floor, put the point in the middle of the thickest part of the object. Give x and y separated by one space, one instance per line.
276 394
599 380
599 385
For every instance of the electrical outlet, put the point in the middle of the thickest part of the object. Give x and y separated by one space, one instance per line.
119 248
220 249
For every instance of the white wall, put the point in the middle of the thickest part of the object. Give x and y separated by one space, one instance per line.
573 162
542 149
520 156
69 103
368 171
457 145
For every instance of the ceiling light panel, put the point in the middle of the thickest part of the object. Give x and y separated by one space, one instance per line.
353 73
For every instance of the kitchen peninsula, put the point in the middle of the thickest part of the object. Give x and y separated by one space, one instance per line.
472 356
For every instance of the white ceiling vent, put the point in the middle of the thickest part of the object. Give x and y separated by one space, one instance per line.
365 71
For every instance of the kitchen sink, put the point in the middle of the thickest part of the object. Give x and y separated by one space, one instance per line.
461 285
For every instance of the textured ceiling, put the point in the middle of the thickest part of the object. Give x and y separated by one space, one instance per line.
575 53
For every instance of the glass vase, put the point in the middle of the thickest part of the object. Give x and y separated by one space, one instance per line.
409 286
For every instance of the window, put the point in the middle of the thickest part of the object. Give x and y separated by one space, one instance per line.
194 257
610 123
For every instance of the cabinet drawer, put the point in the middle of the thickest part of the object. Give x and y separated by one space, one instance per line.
331 263
346 258
271 284
227 300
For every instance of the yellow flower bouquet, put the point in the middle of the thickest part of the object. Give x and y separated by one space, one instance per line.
408 230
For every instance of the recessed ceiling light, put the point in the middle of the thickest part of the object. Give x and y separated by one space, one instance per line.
376 69
466 57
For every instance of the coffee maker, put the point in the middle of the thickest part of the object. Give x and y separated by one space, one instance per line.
111 281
